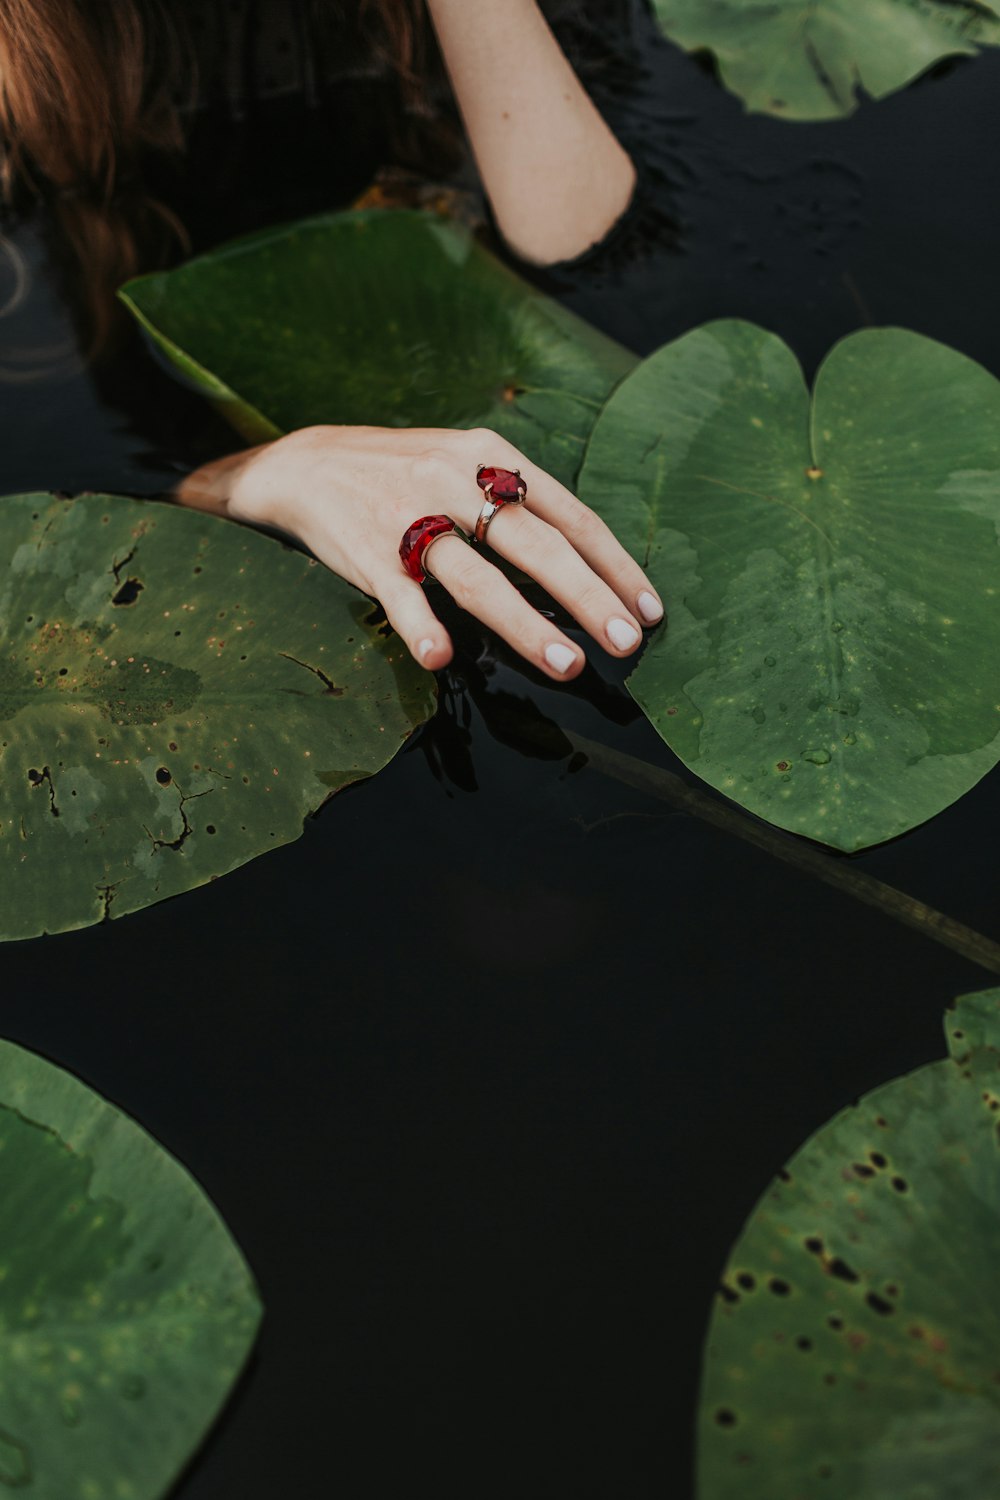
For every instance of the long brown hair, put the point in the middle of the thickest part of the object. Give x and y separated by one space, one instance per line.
89 88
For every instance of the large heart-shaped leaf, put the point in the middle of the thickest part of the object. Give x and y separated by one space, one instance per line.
854 1350
393 318
127 1309
176 694
831 570
808 61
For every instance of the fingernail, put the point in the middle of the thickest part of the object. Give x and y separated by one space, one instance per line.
622 634
425 648
650 607
559 658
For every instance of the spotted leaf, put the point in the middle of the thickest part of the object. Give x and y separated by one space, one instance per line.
853 1351
177 693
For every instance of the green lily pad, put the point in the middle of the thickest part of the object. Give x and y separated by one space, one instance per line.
176 694
854 1349
127 1309
830 568
809 61
388 318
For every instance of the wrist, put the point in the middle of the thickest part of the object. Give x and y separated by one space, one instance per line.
236 486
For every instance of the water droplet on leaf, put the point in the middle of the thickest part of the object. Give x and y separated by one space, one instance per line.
817 757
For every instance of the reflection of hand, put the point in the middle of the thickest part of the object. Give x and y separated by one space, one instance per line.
349 493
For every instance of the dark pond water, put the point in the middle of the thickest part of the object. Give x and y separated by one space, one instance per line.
486 1071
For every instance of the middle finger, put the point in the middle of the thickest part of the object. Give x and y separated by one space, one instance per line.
541 550
482 589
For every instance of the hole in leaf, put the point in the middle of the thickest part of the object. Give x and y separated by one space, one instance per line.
128 593
841 1269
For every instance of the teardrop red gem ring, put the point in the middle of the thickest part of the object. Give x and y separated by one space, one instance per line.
500 486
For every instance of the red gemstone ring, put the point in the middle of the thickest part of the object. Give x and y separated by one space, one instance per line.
418 537
501 487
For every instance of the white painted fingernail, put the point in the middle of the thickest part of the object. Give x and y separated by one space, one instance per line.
425 648
559 658
650 607
622 634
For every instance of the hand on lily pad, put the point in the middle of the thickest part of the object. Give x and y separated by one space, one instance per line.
352 493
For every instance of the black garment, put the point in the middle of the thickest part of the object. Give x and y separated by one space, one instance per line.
295 94
294 113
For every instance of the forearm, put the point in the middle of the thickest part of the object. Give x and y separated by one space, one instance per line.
555 175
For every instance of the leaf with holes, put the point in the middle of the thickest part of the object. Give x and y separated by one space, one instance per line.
388 318
127 1309
830 567
854 1348
177 693
811 62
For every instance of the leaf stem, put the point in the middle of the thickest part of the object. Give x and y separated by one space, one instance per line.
831 869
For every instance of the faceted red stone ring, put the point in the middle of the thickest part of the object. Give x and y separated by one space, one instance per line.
501 487
418 537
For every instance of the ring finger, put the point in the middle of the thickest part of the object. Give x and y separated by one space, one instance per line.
482 589
541 550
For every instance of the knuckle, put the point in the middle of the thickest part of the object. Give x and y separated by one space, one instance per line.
430 470
547 545
585 527
464 582
594 601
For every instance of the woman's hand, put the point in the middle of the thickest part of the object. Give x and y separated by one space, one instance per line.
349 494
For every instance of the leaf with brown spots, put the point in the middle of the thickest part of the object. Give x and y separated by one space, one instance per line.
148 746
876 1373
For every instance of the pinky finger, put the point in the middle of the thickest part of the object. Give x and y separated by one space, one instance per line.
412 618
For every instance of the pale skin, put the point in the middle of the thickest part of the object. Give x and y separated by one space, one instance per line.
557 180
